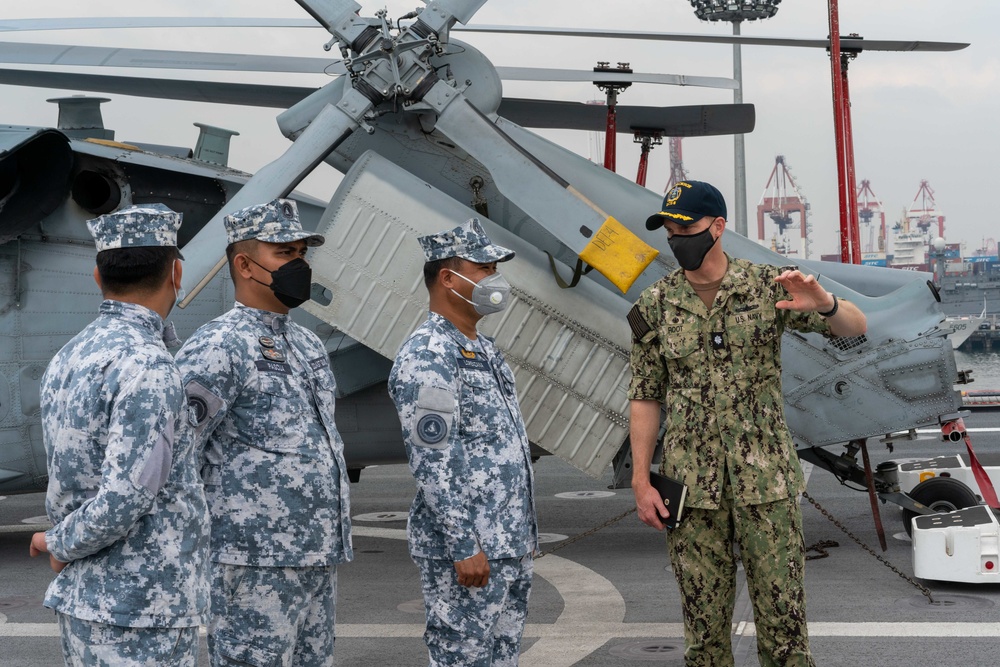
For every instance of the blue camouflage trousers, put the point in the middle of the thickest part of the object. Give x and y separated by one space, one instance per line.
89 644
475 627
272 616
772 550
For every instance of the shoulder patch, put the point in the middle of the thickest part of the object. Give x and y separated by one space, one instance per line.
637 323
204 403
435 410
432 428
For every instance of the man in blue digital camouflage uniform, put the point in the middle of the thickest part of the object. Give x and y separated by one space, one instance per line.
129 536
274 470
706 341
472 528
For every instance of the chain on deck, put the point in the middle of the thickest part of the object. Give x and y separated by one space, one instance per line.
923 589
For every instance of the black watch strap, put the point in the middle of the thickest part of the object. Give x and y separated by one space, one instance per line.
832 311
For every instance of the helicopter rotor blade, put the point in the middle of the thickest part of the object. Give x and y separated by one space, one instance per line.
550 74
27 53
120 22
846 43
330 13
214 92
597 238
102 23
685 121
204 254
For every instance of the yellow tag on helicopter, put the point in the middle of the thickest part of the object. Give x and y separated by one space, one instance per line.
618 254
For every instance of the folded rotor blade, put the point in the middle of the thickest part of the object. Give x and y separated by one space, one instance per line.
215 92
598 239
549 74
461 10
116 22
846 43
685 121
25 53
330 13
204 254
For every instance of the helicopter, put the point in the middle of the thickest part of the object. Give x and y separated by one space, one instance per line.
418 124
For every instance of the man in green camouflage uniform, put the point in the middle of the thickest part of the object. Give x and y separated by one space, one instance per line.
707 343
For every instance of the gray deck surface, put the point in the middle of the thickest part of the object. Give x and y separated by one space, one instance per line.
608 599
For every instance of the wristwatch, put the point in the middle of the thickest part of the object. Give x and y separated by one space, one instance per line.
833 311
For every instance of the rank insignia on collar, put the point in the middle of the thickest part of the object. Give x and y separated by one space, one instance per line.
273 355
468 354
266 341
718 342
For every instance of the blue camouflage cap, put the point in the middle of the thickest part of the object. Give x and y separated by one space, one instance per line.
143 226
468 241
274 222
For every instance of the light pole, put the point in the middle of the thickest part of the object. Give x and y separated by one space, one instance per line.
737 11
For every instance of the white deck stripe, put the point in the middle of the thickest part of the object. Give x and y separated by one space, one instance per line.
591 605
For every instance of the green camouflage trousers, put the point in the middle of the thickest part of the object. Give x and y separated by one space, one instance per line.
771 546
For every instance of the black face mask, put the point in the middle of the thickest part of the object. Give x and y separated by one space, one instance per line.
690 250
291 282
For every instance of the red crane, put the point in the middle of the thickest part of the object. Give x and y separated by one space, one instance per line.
677 171
869 206
923 211
780 200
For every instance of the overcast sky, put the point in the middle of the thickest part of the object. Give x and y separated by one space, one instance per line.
917 116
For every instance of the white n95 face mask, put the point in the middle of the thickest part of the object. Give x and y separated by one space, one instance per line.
490 295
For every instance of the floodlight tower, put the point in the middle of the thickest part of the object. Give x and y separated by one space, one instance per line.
737 11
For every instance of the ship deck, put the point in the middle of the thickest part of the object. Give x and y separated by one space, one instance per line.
610 597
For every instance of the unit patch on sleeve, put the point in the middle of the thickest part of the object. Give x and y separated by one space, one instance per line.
431 429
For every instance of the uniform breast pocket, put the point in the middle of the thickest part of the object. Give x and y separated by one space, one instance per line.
680 345
752 330
479 400
507 380
279 417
